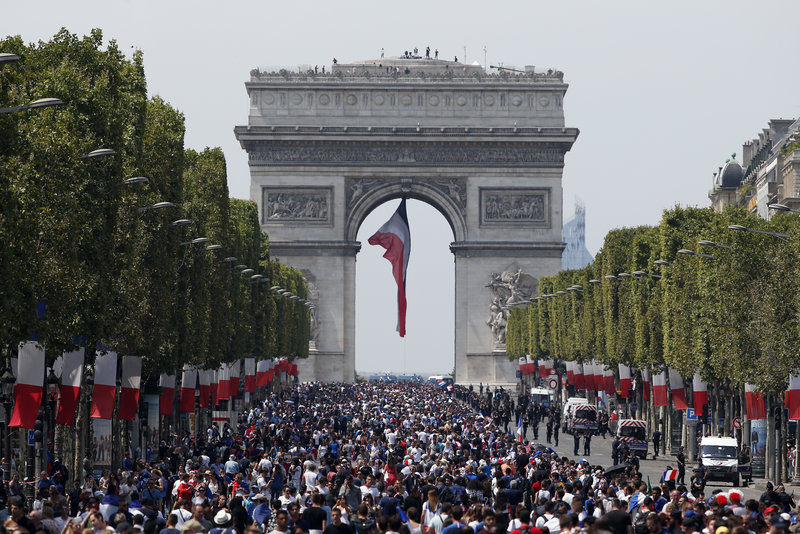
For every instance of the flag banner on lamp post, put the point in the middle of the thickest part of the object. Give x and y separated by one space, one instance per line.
530 364
571 373
188 382
204 377
660 389
646 384
699 392
754 401
165 401
216 376
792 398
131 385
105 384
678 393
523 369
580 377
28 390
624 380
233 380
71 376
262 367
249 375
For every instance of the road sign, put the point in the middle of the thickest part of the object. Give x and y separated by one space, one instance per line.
634 405
690 415
737 423
31 439
552 383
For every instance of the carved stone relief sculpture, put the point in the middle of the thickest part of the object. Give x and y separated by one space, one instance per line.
510 288
310 204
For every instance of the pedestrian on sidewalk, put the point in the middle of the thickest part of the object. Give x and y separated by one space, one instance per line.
656 443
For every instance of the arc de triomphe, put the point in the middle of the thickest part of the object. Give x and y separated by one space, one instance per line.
487 151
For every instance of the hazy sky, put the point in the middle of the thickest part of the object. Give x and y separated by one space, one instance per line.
662 92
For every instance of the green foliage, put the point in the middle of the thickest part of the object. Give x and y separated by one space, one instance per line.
73 234
734 317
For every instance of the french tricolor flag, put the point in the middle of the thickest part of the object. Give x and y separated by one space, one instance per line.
204 377
28 389
792 398
591 381
624 380
699 392
250 375
678 393
224 382
530 364
523 370
670 475
188 381
660 389
167 383
131 384
571 373
756 408
71 374
105 385
395 237
216 376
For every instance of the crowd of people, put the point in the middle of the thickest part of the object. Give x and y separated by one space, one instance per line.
376 458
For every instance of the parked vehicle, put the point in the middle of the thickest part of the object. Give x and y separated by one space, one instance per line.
542 396
634 433
579 416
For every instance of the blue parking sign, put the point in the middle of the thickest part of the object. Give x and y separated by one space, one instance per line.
690 415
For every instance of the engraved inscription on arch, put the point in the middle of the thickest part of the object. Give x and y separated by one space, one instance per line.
515 207
298 205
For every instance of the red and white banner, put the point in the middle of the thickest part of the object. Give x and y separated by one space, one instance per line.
71 376
530 365
678 392
571 373
594 376
262 366
792 398
188 383
216 376
233 381
28 389
624 380
608 382
660 389
523 370
131 384
545 368
646 384
249 375
105 385
165 401
395 237
204 377
223 382
699 393
756 407
580 378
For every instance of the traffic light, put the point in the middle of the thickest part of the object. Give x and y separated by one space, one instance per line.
705 414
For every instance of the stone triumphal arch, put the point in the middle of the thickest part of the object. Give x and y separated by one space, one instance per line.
487 151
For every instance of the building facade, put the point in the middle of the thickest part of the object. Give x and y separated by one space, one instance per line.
328 146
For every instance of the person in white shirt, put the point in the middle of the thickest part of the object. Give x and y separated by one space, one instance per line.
310 477
368 488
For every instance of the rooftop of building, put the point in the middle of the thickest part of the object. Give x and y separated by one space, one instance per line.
411 68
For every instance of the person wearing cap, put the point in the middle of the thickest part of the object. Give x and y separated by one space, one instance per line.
261 510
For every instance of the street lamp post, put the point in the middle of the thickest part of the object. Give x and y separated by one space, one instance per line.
7 385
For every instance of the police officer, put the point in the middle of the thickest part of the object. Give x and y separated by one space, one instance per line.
681 459
656 443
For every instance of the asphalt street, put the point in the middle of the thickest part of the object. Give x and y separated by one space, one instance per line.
653 468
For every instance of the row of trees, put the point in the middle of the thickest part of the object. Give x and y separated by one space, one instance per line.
75 236
728 312
656 297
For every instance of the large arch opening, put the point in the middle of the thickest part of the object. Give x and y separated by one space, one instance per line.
428 347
